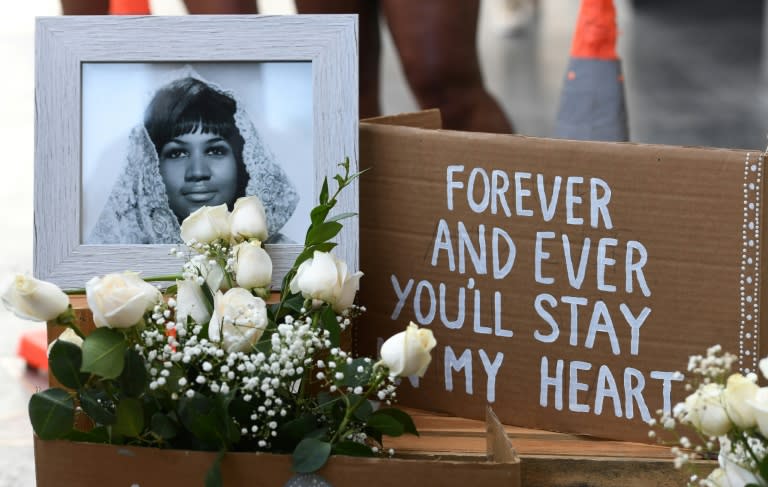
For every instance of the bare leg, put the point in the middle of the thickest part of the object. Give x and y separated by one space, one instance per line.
85 7
369 44
221 6
436 41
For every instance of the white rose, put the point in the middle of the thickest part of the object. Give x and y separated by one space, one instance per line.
32 299
248 219
717 478
238 321
735 474
190 302
739 390
764 367
253 266
206 224
120 300
67 335
324 277
408 352
706 410
214 276
759 404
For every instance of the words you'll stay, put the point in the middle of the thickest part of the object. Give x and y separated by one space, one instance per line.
461 305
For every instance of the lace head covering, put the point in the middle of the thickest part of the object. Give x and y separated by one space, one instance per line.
137 210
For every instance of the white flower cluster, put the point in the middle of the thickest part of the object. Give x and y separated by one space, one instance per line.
727 410
713 366
182 361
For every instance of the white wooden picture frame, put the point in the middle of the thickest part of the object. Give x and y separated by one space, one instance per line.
65 44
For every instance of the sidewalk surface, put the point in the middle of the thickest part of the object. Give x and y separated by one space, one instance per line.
688 82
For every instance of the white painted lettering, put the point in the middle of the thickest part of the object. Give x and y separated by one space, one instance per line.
464 362
546 382
574 386
598 205
401 294
451 184
604 261
500 182
491 369
601 322
572 198
547 317
521 193
540 255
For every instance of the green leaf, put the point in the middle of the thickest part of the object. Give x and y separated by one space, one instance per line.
295 430
133 379
352 449
172 380
171 290
324 247
52 413
353 378
328 318
401 417
373 433
130 418
94 403
104 353
386 424
65 360
318 214
294 303
342 216
364 410
326 400
209 420
163 426
96 435
310 455
763 466
308 253
341 180
213 476
324 192
323 232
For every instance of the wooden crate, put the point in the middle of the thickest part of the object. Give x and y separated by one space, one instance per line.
107 465
551 459
450 450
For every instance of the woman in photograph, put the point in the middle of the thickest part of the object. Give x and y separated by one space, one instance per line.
195 148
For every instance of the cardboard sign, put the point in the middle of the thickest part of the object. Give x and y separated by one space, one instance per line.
566 282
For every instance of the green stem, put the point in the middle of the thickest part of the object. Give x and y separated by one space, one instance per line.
67 319
745 441
167 277
351 410
308 371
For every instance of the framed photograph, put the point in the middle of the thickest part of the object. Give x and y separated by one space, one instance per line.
263 105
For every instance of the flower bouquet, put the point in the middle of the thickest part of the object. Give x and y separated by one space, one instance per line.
728 415
213 364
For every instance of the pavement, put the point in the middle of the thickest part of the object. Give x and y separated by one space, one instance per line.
690 80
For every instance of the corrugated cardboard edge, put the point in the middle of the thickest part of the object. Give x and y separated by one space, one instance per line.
69 464
498 445
427 119
762 290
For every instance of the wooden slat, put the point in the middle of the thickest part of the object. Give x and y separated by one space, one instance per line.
547 458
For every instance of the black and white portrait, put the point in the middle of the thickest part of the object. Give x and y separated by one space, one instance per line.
160 140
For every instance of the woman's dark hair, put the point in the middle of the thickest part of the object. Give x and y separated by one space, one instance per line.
186 104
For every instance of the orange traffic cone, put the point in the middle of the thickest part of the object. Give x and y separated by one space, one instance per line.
129 7
592 103
33 348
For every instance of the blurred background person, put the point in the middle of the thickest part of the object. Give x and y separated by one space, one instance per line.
437 45
436 42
